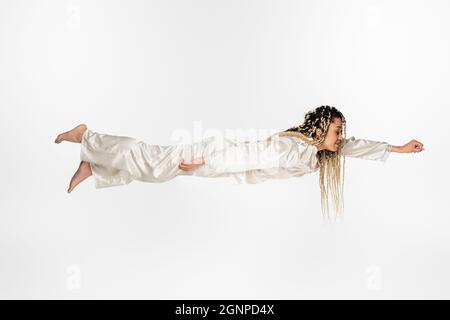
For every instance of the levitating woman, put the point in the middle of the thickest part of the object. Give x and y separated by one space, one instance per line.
318 143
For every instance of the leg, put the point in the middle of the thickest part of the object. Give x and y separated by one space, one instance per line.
118 160
114 160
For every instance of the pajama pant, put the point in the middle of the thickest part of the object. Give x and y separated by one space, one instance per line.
118 160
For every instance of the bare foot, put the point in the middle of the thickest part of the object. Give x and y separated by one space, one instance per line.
73 135
84 171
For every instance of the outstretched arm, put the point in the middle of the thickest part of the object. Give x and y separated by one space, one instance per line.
245 156
376 150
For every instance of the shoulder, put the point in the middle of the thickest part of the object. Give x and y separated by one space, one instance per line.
351 139
300 148
302 144
349 142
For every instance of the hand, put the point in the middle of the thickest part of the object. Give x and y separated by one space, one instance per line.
188 166
412 146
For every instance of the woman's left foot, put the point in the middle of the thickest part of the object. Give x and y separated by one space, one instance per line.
73 135
84 171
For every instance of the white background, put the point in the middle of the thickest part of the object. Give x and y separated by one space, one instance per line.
146 69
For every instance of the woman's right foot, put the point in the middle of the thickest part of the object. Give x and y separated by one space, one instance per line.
73 135
84 171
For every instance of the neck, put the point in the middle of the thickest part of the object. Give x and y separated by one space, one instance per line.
320 147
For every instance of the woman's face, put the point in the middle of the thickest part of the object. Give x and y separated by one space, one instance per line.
333 139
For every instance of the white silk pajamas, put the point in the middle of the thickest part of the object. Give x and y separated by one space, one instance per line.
118 160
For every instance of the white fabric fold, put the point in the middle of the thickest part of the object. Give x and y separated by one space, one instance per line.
282 152
366 149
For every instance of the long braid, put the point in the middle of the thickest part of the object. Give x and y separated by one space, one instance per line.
329 162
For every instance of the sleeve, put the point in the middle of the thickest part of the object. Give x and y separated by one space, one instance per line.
366 149
253 155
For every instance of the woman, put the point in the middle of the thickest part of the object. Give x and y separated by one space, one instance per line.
317 143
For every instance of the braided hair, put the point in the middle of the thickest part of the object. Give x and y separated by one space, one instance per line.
329 161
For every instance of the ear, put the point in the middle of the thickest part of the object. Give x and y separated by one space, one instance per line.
318 133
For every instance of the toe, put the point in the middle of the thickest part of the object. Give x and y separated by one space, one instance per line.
59 138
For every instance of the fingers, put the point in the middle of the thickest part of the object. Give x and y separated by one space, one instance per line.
184 166
417 146
187 166
191 165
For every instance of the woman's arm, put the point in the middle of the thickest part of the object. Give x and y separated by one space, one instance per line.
376 150
251 155
366 149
